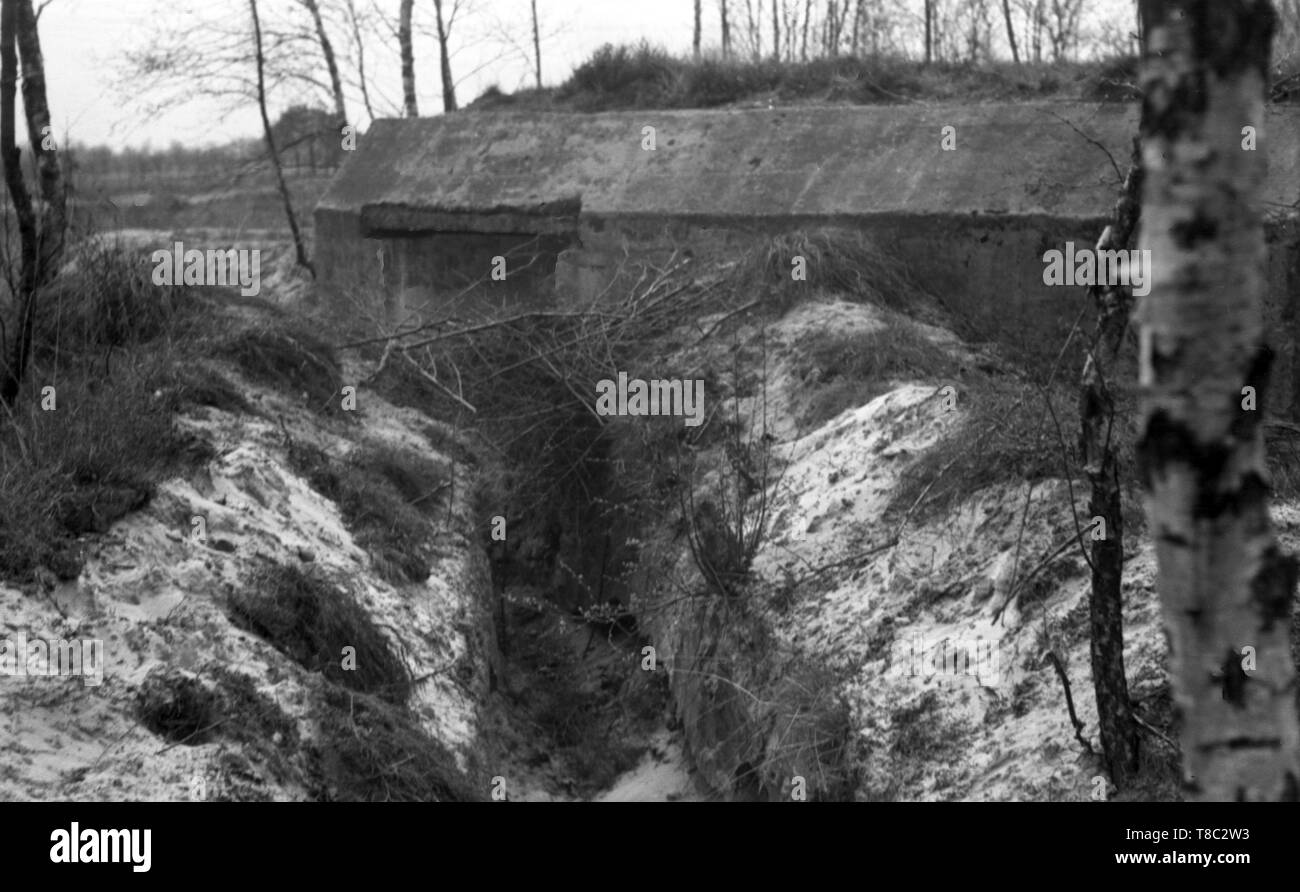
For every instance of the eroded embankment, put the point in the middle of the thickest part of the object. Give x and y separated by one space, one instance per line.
882 643
303 614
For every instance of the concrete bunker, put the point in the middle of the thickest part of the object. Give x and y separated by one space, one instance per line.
424 205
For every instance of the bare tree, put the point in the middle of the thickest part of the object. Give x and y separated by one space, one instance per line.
1063 27
726 31
929 24
776 31
444 55
1011 31
410 107
537 43
807 18
1225 586
17 353
41 237
699 24
1035 16
359 46
327 50
53 223
300 249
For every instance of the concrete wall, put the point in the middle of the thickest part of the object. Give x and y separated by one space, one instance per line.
972 224
420 274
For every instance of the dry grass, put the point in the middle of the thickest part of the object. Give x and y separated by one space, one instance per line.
290 360
843 262
1007 434
849 371
374 751
311 621
386 496
92 459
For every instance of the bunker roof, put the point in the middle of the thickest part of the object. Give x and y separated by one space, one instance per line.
539 171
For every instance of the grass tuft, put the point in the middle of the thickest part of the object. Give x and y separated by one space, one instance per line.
374 751
311 621
386 496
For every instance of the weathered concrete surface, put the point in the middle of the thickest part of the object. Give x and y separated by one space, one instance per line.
430 201
1022 160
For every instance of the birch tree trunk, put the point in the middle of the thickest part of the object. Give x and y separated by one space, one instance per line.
410 108
1225 587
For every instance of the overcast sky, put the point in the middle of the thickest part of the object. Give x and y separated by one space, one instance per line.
85 40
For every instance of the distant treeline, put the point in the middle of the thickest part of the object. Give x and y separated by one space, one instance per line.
305 136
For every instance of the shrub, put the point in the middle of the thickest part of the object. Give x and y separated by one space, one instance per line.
290 360
80 467
310 621
384 504
375 751
844 262
177 706
105 298
622 77
852 371
1007 434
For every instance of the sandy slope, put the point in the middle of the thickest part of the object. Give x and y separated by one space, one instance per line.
153 595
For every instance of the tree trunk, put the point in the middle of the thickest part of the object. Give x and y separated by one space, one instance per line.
699 27
444 58
410 107
361 59
299 248
807 18
327 50
537 44
1224 584
1096 418
929 16
52 226
776 30
18 353
1011 31
726 31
